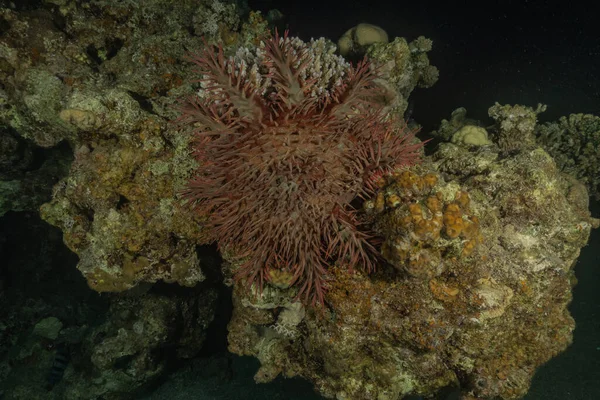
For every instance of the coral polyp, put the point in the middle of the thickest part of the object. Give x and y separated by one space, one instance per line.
286 135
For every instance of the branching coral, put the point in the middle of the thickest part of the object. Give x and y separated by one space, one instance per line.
516 125
574 143
286 136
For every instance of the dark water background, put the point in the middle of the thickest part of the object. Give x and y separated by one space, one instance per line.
524 52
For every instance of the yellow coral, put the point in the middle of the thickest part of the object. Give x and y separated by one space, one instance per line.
409 180
103 281
430 180
280 278
453 221
416 215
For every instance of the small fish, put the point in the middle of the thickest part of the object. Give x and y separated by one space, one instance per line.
59 365
410 108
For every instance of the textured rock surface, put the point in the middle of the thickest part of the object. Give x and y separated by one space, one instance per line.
99 76
137 342
484 320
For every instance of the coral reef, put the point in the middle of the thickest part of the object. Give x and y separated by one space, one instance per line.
104 83
402 67
286 136
118 208
574 142
516 125
215 19
471 135
449 127
482 250
132 48
118 211
110 346
477 244
425 224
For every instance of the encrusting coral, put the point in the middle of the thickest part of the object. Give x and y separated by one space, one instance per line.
286 136
423 221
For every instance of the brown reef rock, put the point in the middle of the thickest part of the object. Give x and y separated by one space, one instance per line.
480 253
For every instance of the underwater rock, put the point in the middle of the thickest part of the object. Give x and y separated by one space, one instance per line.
483 320
139 338
48 328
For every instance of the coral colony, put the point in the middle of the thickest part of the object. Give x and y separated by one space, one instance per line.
286 137
307 183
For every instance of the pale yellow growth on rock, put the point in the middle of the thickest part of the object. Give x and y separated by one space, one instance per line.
367 34
471 135
356 39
